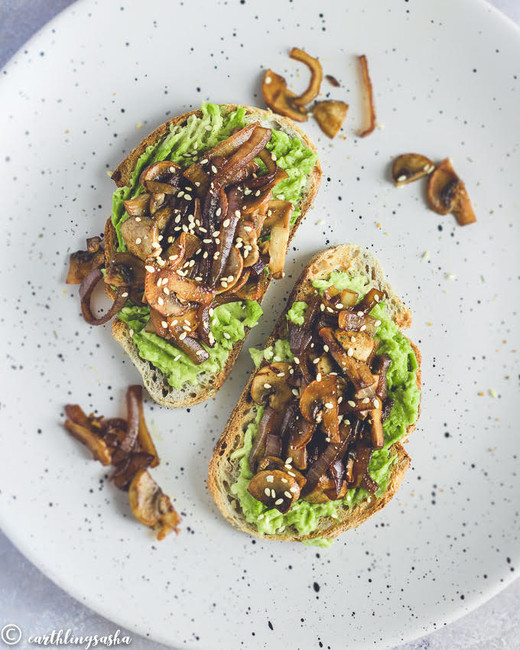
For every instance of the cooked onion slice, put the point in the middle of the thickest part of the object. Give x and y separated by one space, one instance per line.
279 98
140 235
314 66
330 115
85 292
369 100
410 167
161 177
447 193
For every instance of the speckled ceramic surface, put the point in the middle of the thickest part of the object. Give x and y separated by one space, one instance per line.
446 82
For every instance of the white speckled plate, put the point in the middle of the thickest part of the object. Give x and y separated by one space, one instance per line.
446 83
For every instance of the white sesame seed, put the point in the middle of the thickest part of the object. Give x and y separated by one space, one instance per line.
160 300
366 400
351 403
226 223
278 502
138 219
329 405
318 377
166 291
350 352
227 336
267 492
182 336
269 478
124 294
138 240
267 386
218 212
362 328
402 178
149 268
214 169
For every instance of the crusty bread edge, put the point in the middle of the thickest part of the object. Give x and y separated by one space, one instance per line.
221 471
207 385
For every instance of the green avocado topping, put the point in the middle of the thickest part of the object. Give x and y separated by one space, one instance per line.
402 387
183 145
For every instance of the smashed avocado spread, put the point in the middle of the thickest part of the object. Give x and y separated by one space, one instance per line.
402 387
183 145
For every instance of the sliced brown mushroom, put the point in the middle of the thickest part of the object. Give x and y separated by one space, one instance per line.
161 177
313 89
279 98
157 201
140 235
198 177
275 489
358 372
138 206
270 385
370 300
447 193
85 435
246 238
410 167
358 345
151 506
279 214
330 115
319 403
375 422
83 262
273 462
232 272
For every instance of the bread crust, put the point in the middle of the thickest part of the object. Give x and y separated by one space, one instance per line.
154 380
223 471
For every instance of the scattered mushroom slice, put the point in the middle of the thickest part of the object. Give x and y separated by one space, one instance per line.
314 66
246 236
351 320
83 262
447 193
139 234
138 206
275 489
279 98
151 506
270 385
97 446
156 202
369 99
410 167
319 403
330 115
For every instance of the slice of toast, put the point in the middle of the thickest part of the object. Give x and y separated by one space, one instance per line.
154 380
223 471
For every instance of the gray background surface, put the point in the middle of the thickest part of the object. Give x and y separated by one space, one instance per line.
31 601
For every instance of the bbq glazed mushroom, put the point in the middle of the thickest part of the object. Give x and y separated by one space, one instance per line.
319 403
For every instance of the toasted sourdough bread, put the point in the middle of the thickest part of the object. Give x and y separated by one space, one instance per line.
208 384
223 471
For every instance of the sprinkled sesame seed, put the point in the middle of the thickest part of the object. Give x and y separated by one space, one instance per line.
318 377
214 169
166 291
329 405
164 324
227 335
267 492
317 360
402 178
203 162
218 212
350 352
124 294
293 489
149 268
366 400
360 313
375 402
351 403
267 386
160 300
177 357
182 336
278 502
138 219
296 360
269 478
295 392
362 328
